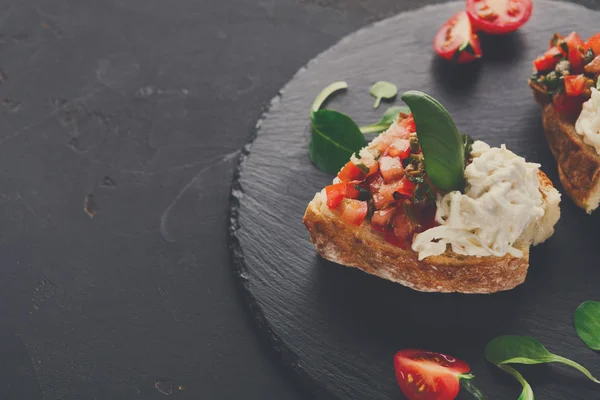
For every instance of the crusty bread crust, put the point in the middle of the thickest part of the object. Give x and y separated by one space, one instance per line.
362 248
578 163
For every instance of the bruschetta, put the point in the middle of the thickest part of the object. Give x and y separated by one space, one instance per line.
565 84
383 216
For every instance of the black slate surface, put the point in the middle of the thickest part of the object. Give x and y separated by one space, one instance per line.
338 328
105 308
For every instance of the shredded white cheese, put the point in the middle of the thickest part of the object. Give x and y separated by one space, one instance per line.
588 123
502 198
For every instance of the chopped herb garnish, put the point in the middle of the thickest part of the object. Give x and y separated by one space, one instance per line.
551 80
589 56
363 194
563 45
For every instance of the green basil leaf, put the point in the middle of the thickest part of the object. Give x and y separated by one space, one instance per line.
442 146
335 137
587 323
527 393
325 93
526 350
383 90
386 120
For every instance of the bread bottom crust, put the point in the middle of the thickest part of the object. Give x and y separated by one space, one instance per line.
362 248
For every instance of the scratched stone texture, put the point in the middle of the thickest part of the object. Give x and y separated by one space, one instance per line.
120 127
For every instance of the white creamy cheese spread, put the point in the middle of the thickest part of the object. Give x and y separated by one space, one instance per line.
588 123
502 198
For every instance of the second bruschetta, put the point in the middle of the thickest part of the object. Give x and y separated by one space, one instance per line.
565 84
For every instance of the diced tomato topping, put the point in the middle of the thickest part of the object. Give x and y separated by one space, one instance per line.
594 44
391 168
406 187
339 191
382 218
351 191
409 123
353 211
335 194
351 172
549 60
402 226
574 85
399 148
576 47
385 195
375 183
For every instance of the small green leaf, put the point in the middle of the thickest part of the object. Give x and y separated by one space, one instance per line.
527 393
325 93
383 90
587 323
598 84
386 120
442 145
335 137
526 350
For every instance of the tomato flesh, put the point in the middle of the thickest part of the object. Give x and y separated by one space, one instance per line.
574 85
391 168
594 44
549 60
351 172
353 211
385 192
340 191
426 375
499 16
456 41
576 47
381 219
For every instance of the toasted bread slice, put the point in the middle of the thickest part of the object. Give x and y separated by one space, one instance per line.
578 163
365 249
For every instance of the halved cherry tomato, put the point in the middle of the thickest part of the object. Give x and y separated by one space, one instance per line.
576 49
339 191
549 60
499 16
574 85
391 168
425 375
351 172
594 44
353 211
456 41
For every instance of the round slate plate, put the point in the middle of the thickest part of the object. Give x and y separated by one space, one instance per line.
338 327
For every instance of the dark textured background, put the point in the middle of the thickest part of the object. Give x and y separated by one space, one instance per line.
138 106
